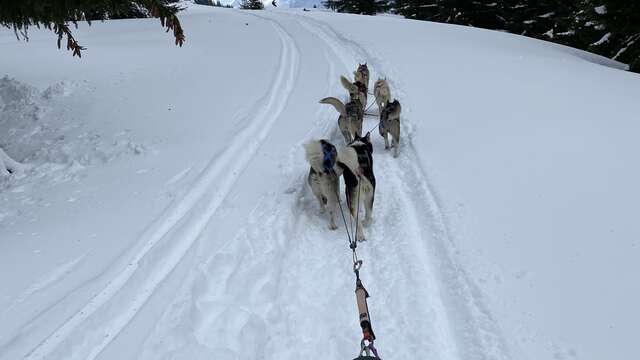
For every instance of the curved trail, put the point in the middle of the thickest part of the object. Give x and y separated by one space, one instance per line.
164 245
464 327
281 286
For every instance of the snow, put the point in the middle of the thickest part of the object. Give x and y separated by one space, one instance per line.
164 214
600 10
602 40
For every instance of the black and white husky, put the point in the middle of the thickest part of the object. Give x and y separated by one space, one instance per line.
323 179
355 161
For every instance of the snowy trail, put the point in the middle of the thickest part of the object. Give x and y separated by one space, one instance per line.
297 299
165 243
281 285
417 241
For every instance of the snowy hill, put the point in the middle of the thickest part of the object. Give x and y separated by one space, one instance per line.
165 214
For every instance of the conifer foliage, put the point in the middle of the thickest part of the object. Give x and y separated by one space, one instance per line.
252 4
59 16
364 7
606 27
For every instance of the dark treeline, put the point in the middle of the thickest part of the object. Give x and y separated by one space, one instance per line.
607 27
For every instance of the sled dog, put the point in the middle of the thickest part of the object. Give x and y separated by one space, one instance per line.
362 75
390 124
382 93
355 161
323 180
357 90
350 119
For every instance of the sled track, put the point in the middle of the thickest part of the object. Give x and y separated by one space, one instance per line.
468 330
176 229
274 259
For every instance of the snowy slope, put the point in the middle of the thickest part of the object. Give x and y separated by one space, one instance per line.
166 213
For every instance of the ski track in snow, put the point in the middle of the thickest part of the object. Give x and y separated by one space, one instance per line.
283 312
467 329
179 227
429 307
46 281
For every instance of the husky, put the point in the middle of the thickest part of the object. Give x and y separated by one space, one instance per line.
323 179
357 90
362 75
390 124
351 117
382 93
355 161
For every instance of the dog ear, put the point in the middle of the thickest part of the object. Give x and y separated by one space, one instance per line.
368 136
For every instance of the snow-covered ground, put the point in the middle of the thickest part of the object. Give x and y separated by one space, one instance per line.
164 212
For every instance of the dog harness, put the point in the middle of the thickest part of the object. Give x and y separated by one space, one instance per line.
329 156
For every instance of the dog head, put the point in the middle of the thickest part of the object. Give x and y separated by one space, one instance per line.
364 142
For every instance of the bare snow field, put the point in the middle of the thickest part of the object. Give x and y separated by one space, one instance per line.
163 211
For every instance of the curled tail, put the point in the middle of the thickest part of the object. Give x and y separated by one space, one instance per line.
339 105
348 85
348 157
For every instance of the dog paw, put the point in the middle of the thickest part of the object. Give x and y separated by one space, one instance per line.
333 227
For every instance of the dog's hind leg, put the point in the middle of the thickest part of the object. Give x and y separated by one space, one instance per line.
332 202
396 142
352 199
368 204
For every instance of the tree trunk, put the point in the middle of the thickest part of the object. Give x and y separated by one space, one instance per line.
9 166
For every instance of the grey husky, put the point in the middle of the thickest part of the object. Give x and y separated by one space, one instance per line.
323 179
357 90
382 93
355 162
390 124
351 117
362 75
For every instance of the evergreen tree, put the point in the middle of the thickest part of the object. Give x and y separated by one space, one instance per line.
418 9
58 16
364 7
607 27
621 41
479 13
552 20
251 4
331 4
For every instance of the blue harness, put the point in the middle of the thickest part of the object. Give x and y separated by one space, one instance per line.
329 156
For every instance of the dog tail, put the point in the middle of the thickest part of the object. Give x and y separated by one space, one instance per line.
339 105
349 158
314 154
347 84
